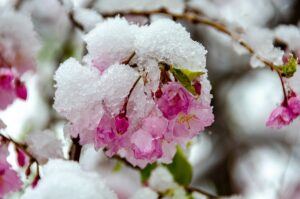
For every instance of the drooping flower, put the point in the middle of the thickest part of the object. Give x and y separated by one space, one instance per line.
280 117
286 113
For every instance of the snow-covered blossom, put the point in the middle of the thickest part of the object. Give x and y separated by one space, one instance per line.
161 180
66 179
124 97
9 180
44 145
18 47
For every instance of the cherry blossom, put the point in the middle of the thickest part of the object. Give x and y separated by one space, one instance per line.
286 113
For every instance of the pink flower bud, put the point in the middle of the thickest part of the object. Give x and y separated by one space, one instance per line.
21 90
121 123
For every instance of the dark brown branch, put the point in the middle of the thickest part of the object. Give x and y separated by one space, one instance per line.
75 150
208 195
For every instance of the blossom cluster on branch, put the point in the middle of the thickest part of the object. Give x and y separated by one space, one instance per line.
138 91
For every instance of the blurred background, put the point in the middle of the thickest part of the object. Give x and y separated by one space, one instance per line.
238 154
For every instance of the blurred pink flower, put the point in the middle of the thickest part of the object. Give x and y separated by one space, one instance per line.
10 87
9 180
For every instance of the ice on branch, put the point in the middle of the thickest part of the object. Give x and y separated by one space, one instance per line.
18 48
108 6
66 179
44 145
119 98
261 40
237 13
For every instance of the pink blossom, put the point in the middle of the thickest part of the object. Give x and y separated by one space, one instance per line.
107 136
294 105
145 146
187 125
147 141
286 113
9 180
175 99
280 117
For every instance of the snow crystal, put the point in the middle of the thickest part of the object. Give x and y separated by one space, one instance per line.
145 193
66 179
44 145
109 43
78 93
122 77
161 180
165 40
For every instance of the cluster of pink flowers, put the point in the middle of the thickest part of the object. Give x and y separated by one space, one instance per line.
16 34
128 104
9 179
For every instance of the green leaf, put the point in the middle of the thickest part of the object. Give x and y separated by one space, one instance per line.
184 79
146 172
117 167
289 68
180 168
192 75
